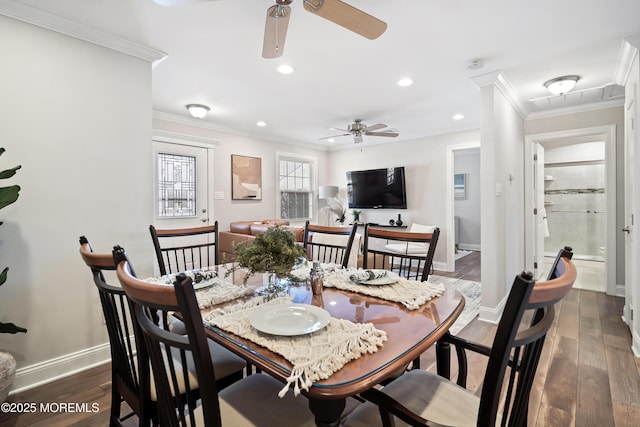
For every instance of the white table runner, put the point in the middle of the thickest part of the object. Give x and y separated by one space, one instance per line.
314 356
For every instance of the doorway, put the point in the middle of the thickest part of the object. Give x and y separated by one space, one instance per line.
579 183
454 239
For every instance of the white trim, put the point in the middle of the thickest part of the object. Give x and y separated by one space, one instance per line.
439 265
40 18
600 105
500 81
469 247
609 133
492 315
183 139
628 52
60 367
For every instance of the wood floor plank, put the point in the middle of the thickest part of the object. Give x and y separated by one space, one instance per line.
623 372
549 416
591 345
561 384
594 407
568 319
625 415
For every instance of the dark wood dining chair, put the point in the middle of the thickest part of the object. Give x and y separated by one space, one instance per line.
132 381
419 397
329 244
128 374
185 249
251 401
409 254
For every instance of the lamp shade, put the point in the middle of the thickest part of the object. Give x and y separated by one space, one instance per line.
561 85
327 192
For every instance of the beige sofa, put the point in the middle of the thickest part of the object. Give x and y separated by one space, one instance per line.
246 231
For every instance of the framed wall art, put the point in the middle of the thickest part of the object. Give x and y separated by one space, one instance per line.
460 186
246 178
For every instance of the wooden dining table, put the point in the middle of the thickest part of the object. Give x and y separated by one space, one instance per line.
409 334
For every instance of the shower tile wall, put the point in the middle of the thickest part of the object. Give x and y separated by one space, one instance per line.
575 200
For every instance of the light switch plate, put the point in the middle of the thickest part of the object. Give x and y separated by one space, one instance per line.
218 195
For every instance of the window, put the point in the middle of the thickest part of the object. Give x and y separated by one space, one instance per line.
176 185
296 181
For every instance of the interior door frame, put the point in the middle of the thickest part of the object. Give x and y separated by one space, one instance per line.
608 135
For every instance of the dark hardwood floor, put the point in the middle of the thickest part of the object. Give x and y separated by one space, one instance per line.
587 375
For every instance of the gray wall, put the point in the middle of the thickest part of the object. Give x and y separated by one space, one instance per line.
468 210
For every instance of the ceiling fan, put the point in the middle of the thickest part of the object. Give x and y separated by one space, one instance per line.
336 11
359 129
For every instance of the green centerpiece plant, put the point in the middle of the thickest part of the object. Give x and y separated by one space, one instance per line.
274 251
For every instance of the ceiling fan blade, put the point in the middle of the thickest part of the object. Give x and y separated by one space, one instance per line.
275 31
335 136
357 139
178 2
382 133
347 16
376 127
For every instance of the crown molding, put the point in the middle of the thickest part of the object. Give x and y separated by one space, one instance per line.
600 105
628 52
40 18
500 81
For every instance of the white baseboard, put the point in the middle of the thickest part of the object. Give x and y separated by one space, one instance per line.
492 315
620 291
442 266
469 246
60 367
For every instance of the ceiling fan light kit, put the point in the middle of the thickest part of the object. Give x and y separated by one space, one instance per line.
197 111
561 85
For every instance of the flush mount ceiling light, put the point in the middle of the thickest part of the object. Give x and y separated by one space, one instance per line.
405 82
561 85
285 69
261 123
198 110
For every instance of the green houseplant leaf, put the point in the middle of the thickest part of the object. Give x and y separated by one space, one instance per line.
8 195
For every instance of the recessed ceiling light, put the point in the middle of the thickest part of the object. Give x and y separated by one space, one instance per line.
458 116
285 69
405 82
261 123
331 140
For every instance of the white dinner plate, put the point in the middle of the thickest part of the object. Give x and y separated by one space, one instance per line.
390 278
289 319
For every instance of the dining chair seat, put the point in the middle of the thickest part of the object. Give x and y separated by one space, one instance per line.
428 395
227 368
250 402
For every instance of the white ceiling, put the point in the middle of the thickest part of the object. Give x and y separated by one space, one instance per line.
214 58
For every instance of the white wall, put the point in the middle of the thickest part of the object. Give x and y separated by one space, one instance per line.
502 199
77 117
226 144
425 169
468 209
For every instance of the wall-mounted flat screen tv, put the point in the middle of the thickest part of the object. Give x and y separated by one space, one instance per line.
377 189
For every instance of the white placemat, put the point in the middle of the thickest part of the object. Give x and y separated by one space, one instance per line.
213 290
410 293
314 356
